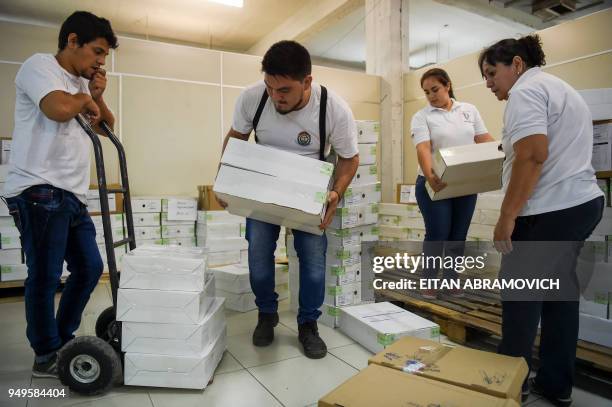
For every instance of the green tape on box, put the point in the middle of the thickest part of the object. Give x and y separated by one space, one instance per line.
342 211
209 216
377 187
373 170
242 230
343 254
385 339
327 169
349 192
333 311
435 332
377 127
373 150
375 231
374 208
601 298
341 232
334 290
164 230
320 197
6 269
338 271
6 240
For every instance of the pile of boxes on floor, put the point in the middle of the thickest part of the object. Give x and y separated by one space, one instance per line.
355 223
412 367
173 326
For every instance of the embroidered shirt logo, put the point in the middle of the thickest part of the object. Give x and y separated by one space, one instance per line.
304 139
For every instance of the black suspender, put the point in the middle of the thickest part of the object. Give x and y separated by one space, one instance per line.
322 124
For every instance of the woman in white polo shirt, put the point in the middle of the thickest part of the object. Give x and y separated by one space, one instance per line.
550 195
444 122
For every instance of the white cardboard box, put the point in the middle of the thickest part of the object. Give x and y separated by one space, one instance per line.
148 232
467 170
146 204
366 174
165 222
218 230
3 173
10 238
343 295
14 272
234 278
174 339
186 372
6 221
160 306
93 204
274 186
5 151
343 237
224 245
218 259
368 233
354 216
596 330
178 230
342 275
180 241
162 272
246 301
361 194
116 220
367 153
146 219
213 217
367 131
402 210
180 208
602 147
10 256
376 326
343 256
599 102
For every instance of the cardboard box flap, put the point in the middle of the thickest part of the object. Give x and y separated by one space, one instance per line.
276 163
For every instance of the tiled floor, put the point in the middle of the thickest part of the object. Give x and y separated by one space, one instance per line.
279 375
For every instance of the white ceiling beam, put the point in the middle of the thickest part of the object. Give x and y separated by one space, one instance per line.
315 16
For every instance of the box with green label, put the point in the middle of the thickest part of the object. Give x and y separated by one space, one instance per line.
274 186
10 238
361 194
343 295
343 256
367 153
367 131
366 174
14 272
376 326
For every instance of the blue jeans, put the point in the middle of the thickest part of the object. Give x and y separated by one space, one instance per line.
54 227
446 225
311 250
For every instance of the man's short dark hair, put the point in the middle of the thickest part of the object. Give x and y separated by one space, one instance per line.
88 27
287 58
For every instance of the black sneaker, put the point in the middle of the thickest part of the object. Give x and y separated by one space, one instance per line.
47 369
264 331
556 401
314 347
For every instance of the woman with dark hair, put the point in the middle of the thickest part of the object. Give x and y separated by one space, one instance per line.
444 122
550 195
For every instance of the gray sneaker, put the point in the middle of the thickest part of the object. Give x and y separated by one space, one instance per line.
46 369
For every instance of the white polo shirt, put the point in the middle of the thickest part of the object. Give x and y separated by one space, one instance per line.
444 128
44 151
298 131
540 103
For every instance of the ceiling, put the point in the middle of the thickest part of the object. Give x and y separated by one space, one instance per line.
438 29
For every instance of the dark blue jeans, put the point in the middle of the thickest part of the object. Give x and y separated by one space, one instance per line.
311 250
446 225
54 227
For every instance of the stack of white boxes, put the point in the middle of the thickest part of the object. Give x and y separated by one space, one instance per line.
401 222
178 221
173 326
221 234
146 213
118 232
232 283
355 223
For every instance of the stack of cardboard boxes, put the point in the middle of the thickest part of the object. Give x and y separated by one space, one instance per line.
165 220
401 222
118 231
146 213
355 223
173 326
221 234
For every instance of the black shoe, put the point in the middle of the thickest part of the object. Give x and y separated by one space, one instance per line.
47 369
556 401
314 347
264 331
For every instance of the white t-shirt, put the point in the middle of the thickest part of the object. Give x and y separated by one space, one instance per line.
540 103
298 131
44 151
444 128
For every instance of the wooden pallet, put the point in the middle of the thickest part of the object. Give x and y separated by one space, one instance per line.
465 318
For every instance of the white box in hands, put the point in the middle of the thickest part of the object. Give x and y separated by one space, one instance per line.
467 170
185 372
376 326
174 339
162 306
274 186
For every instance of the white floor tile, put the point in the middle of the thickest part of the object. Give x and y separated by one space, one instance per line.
355 355
14 381
301 381
127 400
285 346
228 364
333 337
16 357
237 389
12 332
239 323
12 312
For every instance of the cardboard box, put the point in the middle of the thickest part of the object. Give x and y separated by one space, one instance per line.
218 231
10 256
467 170
486 372
171 231
598 307
224 245
14 272
367 131
149 242
148 232
343 295
5 150
119 253
343 256
174 339
233 278
376 326
6 221
180 208
146 219
595 330
165 222
485 217
599 102
207 200
400 233
481 232
181 241
186 372
156 250
490 201
162 306
146 204
354 216
361 194
367 153
401 210
343 237
605 225
116 220
406 194
93 204
380 386
215 217
270 184
165 271
343 275
368 233
602 146
10 238
218 259
366 174
246 301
